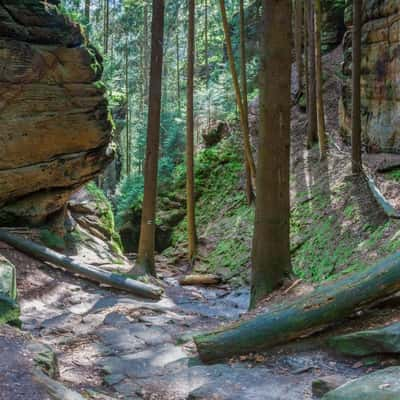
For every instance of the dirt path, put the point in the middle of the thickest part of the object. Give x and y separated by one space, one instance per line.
114 346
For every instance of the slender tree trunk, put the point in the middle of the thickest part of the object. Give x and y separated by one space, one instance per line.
106 24
207 63
145 260
306 59
271 249
243 64
356 100
239 101
312 134
178 72
319 83
128 150
190 200
298 37
146 49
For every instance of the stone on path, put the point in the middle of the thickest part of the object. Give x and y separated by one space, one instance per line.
325 384
380 385
365 343
9 311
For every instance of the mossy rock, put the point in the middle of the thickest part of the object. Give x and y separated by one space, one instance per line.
9 310
370 342
380 385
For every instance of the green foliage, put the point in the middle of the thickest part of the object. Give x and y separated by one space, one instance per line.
9 312
129 197
52 240
395 175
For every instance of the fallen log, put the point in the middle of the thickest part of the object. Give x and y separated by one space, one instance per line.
325 306
45 254
200 279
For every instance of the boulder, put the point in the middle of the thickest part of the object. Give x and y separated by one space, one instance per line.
370 342
380 77
325 384
9 311
56 132
92 237
380 385
8 285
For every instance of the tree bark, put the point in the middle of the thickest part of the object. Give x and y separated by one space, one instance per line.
178 71
206 280
356 97
326 306
239 101
207 63
190 200
298 36
271 248
106 24
243 72
319 83
312 132
145 260
306 61
128 149
87 271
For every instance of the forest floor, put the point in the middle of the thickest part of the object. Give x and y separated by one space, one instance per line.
114 346
110 345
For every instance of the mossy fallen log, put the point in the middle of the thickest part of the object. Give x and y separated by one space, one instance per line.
323 307
87 271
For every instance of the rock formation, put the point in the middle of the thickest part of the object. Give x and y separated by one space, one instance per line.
380 77
56 132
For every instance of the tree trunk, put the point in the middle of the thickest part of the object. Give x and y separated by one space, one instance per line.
298 37
356 98
326 306
239 101
87 271
128 150
178 72
243 64
319 82
145 260
312 133
207 63
191 218
306 63
271 249
106 24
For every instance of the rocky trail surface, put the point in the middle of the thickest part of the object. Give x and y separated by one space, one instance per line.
109 345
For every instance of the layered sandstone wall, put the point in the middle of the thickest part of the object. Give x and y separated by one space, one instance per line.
55 130
380 77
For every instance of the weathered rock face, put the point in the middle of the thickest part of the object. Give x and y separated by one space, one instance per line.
380 77
55 132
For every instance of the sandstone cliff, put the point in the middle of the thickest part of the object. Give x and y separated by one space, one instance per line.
380 77
56 132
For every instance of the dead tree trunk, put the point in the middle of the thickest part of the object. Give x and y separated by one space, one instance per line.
87 271
325 306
